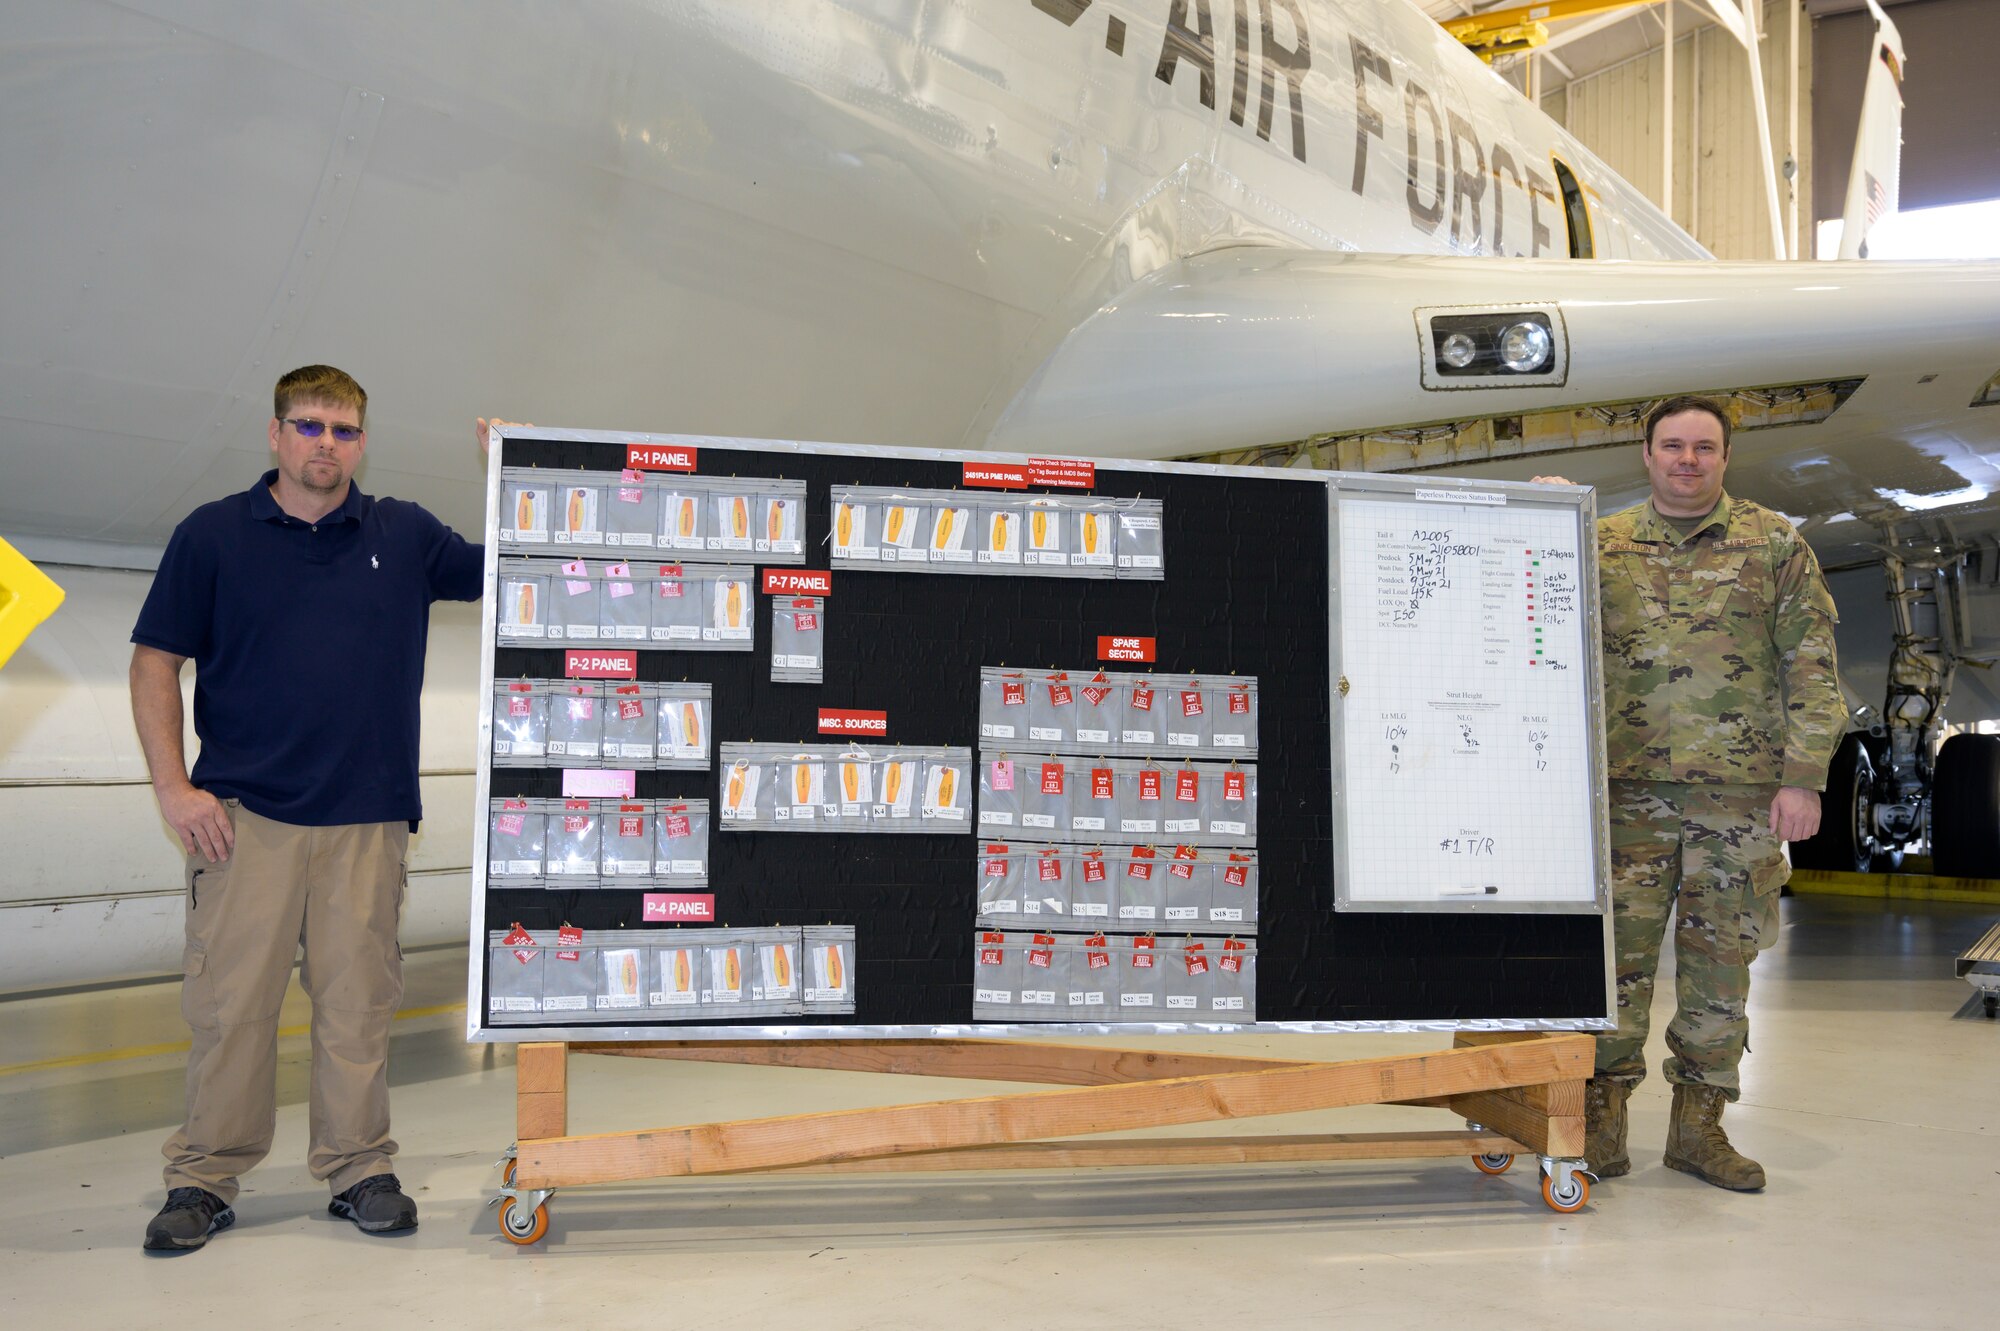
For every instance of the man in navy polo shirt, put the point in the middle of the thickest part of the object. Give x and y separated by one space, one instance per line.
305 606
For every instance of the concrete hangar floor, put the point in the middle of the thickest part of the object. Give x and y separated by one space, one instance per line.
1872 1096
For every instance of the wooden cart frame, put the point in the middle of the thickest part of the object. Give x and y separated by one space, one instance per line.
1519 1093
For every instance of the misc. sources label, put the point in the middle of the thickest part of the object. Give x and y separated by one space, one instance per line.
586 664
1126 649
696 907
659 457
798 582
838 721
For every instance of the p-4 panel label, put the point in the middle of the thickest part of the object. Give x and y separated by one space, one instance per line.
835 721
659 457
678 907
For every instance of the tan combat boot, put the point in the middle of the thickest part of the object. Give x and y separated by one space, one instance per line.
1604 1127
1697 1145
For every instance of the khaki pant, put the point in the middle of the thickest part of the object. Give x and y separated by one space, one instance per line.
1703 859
334 892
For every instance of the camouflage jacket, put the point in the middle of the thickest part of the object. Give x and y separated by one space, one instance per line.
1718 650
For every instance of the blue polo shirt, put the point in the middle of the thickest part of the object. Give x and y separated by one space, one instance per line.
308 646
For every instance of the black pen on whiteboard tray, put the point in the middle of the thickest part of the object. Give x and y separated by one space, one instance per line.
1490 890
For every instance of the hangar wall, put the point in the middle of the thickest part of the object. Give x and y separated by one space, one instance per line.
1718 187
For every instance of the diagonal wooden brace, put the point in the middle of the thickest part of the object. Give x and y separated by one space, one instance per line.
715 1148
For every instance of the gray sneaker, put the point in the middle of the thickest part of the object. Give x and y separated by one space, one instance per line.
186 1221
376 1205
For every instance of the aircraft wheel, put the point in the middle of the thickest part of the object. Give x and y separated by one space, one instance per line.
1965 808
521 1226
1492 1164
1845 841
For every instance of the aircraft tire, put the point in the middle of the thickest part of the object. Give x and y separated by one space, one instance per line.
1844 842
1965 808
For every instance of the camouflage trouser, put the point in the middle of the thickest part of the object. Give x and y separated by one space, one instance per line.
1704 857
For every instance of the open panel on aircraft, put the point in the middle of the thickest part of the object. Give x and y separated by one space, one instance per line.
782 739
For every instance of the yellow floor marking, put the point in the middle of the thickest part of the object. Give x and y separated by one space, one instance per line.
181 1046
1894 886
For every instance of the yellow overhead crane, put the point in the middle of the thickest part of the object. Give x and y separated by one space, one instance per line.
1520 28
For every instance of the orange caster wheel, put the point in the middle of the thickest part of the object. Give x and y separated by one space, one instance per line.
1492 1164
525 1227
1568 1196
507 1174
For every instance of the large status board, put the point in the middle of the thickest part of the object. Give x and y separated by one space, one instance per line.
692 658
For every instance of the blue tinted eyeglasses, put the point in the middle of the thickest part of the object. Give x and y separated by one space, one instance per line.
309 428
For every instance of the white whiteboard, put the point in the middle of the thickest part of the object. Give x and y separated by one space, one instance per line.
1467 671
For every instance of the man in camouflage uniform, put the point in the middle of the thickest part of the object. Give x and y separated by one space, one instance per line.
1722 710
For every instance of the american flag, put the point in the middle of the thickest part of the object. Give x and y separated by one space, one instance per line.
1878 198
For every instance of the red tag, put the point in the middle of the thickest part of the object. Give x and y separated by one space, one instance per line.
1126 649
576 804
517 707
1043 952
1236 875
798 582
1232 956
659 457
676 906
576 822
1096 955
837 721
569 936
526 955
672 590
619 664
671 571
631 827
1187 785
805 623
1141 866
514 804
517 936
1182 867
1239 702
1051 869
1142 953
1197 963
1100 783
997 867
1060 695
1232 787
630 709
1149 785
1013 693
989 952
1142 697
509 824
1093 867
1097 690
1190 702
1052 778
678 826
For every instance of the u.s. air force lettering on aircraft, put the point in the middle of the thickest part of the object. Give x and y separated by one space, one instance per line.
1449 175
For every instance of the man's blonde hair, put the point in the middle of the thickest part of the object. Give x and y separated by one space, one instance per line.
319 383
